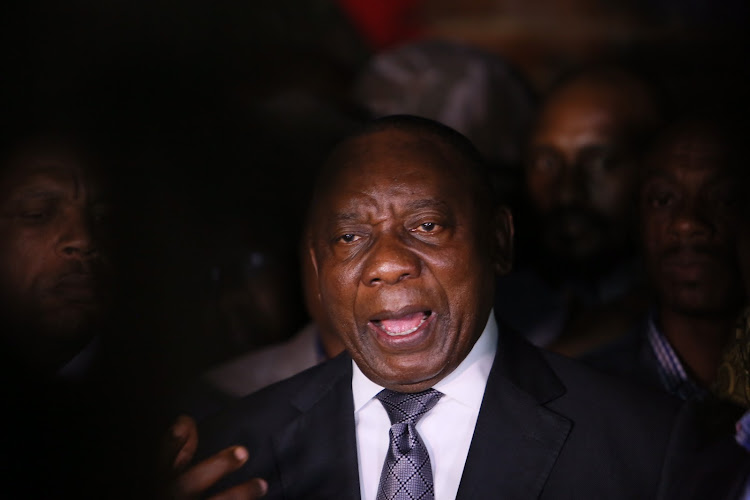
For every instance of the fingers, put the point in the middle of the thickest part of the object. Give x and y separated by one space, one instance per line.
180 443
255 488
179 449
185 431
204 475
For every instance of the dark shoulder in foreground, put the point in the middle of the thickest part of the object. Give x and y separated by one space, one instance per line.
274 406
288 423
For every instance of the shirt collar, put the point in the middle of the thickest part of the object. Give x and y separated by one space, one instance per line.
80 365
672 373
465 384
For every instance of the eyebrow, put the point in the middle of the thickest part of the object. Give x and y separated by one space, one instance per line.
412 205
40 184
426 203
346 217
44 182
715 179
34 195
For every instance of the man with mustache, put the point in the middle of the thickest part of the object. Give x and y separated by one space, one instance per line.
52 303
51 263
689 212
432 398
581 173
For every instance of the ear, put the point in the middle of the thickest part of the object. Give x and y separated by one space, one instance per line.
502 241
311 270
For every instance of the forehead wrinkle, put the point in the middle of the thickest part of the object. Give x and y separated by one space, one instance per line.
355 155
400 145
330 214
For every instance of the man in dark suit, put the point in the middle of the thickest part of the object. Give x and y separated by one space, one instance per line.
404 237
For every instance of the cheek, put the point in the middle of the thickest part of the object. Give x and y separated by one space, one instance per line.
24 258
653 229
653 244
541 191
338 288
16 267
613 195
465 280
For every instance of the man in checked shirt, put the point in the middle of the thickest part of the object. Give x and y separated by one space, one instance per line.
688 206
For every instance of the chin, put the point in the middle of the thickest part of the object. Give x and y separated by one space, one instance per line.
71 326
702 305
409 386
405 380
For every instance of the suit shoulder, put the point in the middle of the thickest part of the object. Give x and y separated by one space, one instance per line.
261 413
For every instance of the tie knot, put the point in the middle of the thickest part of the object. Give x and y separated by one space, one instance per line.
408 408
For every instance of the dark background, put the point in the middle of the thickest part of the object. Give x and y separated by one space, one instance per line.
212 117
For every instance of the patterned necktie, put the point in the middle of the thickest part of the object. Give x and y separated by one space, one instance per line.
407 472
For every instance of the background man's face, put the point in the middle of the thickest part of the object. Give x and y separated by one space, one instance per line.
403 258
689 226
580 175
49 259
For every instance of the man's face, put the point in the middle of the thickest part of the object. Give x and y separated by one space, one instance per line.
49 259
688 207
580 175
403 257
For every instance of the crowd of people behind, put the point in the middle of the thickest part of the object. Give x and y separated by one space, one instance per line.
152 266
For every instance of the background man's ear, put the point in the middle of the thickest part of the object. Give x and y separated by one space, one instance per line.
502 241
310 275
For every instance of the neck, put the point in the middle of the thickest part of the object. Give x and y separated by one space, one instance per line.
699 341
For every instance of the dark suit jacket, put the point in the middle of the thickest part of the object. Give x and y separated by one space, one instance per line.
548 428
630 357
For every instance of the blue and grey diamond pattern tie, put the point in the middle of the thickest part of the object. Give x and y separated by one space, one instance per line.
407 472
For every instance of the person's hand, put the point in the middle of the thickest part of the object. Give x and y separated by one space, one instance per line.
192 482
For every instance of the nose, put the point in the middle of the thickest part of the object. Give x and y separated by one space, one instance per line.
690 223
573 185
76 240
390 261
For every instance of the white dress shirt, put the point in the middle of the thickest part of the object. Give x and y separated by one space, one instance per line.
446 430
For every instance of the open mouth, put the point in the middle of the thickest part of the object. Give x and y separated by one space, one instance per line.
402 325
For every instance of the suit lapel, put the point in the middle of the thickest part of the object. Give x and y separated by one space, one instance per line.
321 440
515 445
517 439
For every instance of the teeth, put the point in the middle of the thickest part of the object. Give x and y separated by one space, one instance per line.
405 332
